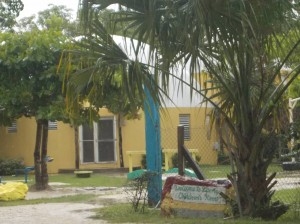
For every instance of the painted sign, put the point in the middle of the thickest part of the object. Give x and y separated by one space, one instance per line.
197 194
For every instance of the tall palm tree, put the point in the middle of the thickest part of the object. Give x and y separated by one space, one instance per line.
243 45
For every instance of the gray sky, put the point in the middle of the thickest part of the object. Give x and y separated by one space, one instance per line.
34 6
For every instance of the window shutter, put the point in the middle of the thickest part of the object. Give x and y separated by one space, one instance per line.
52 125
184 119
12 128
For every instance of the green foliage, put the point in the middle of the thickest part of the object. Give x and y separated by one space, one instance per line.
29 83
144 161
223 158
8 166
28 64
9 10
56 17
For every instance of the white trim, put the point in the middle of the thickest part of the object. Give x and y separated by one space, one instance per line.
96 150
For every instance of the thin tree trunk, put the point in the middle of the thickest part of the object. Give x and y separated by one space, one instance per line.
76 148
44 171
37 156
120 141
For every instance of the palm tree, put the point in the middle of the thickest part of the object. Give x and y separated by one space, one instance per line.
100 72
243 45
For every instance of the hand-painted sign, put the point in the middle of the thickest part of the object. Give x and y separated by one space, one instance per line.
197 194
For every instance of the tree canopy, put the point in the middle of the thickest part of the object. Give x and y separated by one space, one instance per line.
30 85
9 10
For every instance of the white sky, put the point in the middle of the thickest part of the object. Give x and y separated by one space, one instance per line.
34 6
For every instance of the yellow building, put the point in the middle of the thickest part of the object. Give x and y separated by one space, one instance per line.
99 147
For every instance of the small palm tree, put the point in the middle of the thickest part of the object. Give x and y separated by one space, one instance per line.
243 45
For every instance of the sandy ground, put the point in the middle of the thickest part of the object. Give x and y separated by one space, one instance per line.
61 213
54 213
79 213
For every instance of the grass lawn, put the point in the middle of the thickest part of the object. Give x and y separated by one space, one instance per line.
80 198
221 171
123 213
96 180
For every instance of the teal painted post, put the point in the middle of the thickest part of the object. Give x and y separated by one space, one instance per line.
153 150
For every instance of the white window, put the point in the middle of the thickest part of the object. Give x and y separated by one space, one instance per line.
52 125
184 119
98 142
12 128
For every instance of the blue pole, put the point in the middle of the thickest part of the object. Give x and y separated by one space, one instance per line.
153 149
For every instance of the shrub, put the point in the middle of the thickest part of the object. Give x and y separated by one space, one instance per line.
8 166
144 161
223 158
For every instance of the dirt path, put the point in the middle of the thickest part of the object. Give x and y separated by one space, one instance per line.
61 213
52 213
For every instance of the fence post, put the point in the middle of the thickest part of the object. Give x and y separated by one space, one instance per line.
180 140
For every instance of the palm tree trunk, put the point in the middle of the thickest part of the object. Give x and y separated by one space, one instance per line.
37 156
44 170
254 186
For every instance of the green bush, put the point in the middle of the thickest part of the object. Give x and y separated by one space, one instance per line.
223 158
144 161
8 166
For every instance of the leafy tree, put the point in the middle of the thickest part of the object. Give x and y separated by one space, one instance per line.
28 63
28 66
234 42
56 17
9 10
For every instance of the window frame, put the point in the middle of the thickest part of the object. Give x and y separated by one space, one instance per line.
96 140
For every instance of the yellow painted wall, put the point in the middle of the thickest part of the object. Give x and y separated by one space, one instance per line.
20 145
61 142
134 139
199 133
